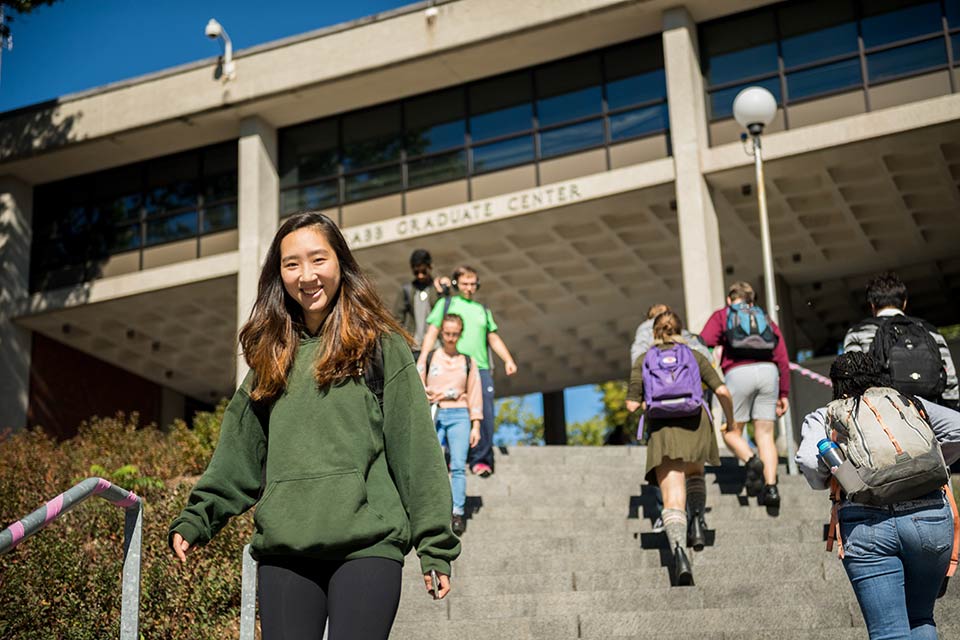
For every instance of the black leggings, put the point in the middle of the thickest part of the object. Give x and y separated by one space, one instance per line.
297 595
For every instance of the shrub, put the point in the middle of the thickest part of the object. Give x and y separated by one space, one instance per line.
64 582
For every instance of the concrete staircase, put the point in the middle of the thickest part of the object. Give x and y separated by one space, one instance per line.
559 546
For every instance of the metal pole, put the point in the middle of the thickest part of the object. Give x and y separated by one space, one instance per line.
773 310
248 595
130 588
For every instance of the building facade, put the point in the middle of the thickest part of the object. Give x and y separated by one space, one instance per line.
581 154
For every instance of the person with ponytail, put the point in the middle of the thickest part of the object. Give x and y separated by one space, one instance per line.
678 446
895 555
346 479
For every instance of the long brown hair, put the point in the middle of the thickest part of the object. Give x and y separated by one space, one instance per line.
666 325
357 318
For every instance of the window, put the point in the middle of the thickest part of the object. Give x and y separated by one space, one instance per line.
371 137
815 48
568 90
81 222
434 122
566 139
634 74
640 122
434 169
308 152
501 106
499 155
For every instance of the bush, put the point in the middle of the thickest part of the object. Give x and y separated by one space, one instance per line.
64 582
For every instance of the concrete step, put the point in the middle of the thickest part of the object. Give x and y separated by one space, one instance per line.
784 619
509 516
546 628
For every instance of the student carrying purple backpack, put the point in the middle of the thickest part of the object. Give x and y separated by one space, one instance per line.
667 383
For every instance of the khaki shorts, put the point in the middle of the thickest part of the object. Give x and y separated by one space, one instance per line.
755 389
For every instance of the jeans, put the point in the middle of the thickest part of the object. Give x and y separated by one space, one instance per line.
896 561
483 452
453 426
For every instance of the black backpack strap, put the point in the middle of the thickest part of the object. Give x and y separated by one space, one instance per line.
466 359
408 297
373 373
446 306
429 360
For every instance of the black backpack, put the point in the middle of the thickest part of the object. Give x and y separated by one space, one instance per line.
905 349
748 333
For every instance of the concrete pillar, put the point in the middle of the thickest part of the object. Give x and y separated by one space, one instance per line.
16 214
701 261
258 212
554 418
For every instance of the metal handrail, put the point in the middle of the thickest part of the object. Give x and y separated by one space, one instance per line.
132 535
248 595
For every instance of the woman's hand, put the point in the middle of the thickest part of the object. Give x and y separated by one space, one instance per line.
475 434
632 405
444 581
181 547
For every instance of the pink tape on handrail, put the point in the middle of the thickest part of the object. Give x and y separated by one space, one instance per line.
53 509
102 485
16 530
129 501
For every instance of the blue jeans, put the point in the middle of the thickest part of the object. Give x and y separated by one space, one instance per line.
896 561
483 452
453 426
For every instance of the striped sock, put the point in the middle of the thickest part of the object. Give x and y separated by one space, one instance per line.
696 495
675 526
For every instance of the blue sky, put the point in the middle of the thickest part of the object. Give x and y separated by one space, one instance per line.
79 44
76 45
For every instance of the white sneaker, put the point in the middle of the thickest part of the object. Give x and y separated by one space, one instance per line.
657 525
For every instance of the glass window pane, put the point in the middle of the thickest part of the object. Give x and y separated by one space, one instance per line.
632 59
955 43
308 152
122 208
721 102
740 47
434 122
378 182
812 31
172 196
506 153
891 20
579 136
904 60
637 123
648 86
310 198
220 187
568 90
220 217
371 137
434 169
500 106
220 159
108 184
953 13
176 227
124 238
825 79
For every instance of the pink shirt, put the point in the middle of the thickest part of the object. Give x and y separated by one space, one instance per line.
712 336
449 384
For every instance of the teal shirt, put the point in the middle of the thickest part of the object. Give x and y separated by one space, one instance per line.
477 323
343 479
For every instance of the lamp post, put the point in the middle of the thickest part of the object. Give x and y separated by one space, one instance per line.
754 108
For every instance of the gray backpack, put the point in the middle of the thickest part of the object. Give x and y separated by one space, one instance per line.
891 452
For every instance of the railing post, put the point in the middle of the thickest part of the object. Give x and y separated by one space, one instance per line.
248 595
130 589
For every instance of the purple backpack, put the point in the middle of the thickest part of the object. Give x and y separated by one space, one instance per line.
671 382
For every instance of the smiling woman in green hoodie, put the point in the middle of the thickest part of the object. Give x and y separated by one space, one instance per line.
344 488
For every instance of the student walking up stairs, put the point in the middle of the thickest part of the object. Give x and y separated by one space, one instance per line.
560 546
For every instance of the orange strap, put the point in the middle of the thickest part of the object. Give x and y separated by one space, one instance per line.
956 531
833 529
896 445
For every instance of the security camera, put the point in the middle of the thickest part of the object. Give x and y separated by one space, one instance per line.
431 14
213 30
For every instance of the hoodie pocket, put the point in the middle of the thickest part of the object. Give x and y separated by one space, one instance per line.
321 515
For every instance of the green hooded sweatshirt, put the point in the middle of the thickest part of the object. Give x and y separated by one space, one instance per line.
343 479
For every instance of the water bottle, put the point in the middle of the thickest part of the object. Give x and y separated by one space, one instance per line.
830 453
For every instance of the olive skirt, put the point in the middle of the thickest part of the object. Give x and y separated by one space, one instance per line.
689 439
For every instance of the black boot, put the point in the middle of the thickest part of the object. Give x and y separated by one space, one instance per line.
696 532
770 497
682 570
753 482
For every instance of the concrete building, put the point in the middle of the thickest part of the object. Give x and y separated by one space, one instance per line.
580 153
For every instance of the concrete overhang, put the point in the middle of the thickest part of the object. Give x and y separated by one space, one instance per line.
330 71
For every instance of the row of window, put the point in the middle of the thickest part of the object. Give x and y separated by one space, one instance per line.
84 220
811 48
602 97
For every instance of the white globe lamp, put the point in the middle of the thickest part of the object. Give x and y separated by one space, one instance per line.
754 108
